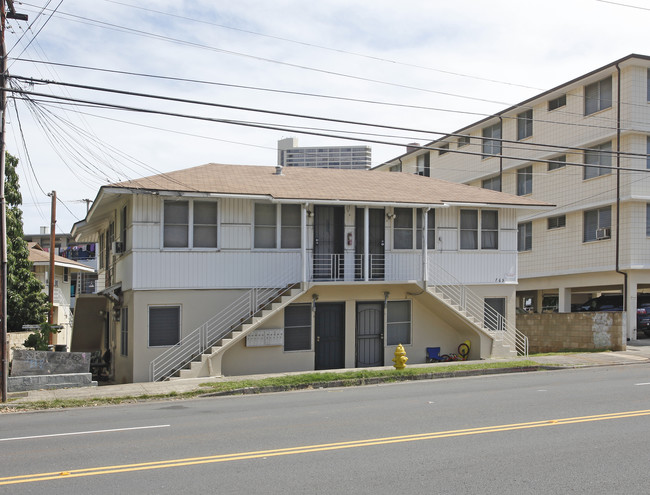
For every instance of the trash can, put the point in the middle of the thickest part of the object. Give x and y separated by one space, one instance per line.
61 348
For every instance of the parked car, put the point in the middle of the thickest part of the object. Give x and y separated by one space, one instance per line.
643 318
609 302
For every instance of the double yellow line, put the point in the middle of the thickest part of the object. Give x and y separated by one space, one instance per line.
190 461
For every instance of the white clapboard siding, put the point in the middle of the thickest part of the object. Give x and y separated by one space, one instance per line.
203 270
477 267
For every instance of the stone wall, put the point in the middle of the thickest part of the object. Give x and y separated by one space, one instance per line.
552 332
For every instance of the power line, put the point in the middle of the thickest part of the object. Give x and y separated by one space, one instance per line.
281 128
287 114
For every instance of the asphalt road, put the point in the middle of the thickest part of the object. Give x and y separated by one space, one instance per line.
570 431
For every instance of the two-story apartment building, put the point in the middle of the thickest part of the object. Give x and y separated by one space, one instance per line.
584 147
233 269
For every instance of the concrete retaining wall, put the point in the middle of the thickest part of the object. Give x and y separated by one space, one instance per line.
40 382
552 332
29 362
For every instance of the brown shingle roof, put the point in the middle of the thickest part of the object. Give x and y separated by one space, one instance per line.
314 184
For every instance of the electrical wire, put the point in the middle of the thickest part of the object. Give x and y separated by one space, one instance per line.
529 145
281 128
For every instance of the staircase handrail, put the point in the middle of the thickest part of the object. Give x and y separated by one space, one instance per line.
217 327
498 327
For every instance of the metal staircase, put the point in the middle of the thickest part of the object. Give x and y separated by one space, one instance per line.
472 307
243 315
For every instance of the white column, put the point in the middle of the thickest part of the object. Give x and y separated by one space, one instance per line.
564 300
631 302
425 248
303 244
366 243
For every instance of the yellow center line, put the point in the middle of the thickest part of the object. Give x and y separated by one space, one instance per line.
125 468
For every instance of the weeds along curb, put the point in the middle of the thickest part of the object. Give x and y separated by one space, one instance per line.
376 380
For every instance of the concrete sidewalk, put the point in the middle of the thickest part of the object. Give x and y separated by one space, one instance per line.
637 352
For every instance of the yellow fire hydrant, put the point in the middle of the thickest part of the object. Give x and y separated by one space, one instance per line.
400 358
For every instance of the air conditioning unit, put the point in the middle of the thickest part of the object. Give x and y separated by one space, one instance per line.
117 247
604 233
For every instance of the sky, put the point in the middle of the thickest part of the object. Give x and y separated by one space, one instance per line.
420 67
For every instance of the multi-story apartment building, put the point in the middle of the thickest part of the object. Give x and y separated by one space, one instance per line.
583 146
290 155
234 269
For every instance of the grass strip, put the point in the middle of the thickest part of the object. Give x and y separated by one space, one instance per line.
290 382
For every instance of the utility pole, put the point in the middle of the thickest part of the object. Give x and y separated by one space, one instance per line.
50 318
3 207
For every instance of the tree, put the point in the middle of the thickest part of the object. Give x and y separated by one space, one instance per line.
27 304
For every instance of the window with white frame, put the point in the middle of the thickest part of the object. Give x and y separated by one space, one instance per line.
123 221
271 220
493 183
290 227
124 331
556 222
597 224
265 234
557 162
598 95
423 164
431 229
405 236
398 322
598 155
525 180
403 228
297 327
525 124
176 218
525 236
556 103
474 221
205 224
491 140
164 325
202 216
489 229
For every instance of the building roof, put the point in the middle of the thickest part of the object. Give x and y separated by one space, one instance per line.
321 185
38 256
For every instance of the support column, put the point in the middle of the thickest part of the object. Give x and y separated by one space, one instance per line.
564 300
366 243
303 244
631 303
425 247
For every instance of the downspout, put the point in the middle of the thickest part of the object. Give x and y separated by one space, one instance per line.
501 156
618 186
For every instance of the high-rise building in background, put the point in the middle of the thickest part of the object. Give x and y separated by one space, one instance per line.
290 155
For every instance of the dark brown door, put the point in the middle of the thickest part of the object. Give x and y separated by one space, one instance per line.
330 336
370 335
